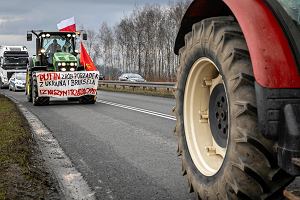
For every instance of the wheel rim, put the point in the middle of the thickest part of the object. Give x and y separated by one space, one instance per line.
206 117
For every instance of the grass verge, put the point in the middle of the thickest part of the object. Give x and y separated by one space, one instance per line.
138 90
22 174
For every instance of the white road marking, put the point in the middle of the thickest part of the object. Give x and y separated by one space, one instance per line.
141 110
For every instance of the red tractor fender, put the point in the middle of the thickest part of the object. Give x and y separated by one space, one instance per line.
274 64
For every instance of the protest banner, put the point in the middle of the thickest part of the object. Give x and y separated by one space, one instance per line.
67 84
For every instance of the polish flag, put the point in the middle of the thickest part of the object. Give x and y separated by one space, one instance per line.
67 25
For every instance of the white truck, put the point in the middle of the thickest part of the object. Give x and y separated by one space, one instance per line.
13 59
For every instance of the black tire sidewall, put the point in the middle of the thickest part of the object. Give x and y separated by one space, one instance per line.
88 99
33 94
34 91
30 82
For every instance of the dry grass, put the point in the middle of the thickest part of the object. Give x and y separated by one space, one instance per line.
22 175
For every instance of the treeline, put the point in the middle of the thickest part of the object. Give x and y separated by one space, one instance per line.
142 42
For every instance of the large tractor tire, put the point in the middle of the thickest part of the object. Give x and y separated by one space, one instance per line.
87 99
36 100
223 154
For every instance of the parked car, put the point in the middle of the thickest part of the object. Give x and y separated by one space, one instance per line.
131 77
101 77
17 82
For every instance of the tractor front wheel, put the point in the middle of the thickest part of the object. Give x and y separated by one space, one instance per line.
36 100
73 99
223 154
29 92
87 99
29 82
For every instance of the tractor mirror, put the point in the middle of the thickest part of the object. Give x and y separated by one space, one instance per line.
84 36
29 37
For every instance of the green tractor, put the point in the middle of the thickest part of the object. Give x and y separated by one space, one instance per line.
57 56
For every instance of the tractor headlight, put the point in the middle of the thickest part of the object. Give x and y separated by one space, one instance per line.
59 64
69 35
63 69
43 50
47 35
72 64
43 35
63 64
72 69
75 64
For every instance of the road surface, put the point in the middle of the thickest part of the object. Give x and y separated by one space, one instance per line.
123 145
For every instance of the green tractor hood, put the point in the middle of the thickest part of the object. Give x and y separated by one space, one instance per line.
62 59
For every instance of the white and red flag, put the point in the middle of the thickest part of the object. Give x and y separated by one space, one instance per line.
67 25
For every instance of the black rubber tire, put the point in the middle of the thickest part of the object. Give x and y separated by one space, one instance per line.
73 99
29 93
250 169
36 100
29 81
88 99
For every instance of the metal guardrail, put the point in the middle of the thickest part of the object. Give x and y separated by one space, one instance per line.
155 85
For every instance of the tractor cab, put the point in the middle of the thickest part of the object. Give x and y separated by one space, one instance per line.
56 50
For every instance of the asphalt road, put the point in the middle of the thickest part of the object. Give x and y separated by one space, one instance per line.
123 145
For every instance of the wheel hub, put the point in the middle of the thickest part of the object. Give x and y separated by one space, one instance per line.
218 115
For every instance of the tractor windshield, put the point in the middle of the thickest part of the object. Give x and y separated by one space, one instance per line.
58 43
292 7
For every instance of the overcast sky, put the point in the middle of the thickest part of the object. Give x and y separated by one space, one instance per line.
18 16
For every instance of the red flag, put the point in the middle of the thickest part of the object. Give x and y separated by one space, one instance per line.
85 59
67 25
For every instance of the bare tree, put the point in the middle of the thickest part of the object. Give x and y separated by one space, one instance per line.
142 42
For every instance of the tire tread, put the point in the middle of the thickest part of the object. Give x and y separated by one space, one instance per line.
223 36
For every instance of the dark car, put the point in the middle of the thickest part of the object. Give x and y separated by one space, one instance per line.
101 77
